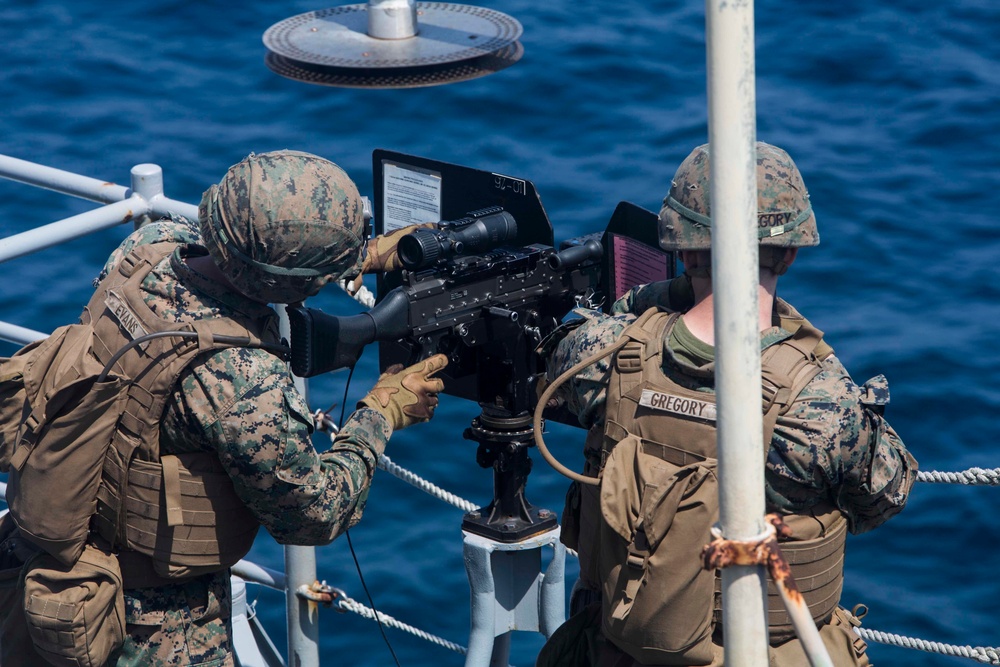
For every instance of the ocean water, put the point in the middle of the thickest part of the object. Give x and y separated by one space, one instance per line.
891 110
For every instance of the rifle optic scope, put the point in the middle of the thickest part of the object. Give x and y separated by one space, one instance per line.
478 231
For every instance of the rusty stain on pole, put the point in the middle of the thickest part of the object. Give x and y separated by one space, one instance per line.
764 550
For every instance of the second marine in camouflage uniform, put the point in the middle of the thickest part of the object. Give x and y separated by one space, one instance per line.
830 446
840 449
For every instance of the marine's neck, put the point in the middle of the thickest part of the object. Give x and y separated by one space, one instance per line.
700 319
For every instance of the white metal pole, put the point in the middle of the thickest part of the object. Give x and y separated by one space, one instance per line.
147 182
302 615
392 19
55 233
19 335
144 198
732 137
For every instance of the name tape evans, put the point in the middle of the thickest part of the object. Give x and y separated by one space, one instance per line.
124 315
680 405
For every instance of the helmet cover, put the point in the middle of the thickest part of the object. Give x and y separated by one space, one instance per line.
281 225
784 214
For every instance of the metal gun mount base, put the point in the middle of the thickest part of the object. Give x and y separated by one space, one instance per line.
503 446
393 44
511 592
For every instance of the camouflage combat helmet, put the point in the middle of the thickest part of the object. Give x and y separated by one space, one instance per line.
281 225
784 215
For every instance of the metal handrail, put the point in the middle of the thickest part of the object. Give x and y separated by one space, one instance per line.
19 335
122 204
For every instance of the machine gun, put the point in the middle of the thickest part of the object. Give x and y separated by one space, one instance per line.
485 311
484 288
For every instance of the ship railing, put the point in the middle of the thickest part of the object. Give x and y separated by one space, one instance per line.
145 200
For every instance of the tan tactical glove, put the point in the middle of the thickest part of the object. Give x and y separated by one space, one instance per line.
382 255
406 396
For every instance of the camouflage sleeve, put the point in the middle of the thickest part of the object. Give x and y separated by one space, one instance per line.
177 229
241 403
675 295
832 445
585 393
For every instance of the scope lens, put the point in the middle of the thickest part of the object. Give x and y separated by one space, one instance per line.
419 249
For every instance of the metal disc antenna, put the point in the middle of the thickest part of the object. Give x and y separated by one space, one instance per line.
393 44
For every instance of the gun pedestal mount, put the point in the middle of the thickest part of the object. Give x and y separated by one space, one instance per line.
503 445
503 544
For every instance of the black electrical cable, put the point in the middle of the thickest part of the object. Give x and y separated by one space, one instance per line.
370 601
350 545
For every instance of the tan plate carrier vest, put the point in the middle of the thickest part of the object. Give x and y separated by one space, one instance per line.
659 498
181 511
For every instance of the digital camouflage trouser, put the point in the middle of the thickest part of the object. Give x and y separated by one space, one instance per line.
182 624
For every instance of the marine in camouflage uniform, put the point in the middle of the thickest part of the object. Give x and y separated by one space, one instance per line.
826 444
832 445
277 228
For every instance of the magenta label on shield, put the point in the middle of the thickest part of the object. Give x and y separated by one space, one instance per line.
635 264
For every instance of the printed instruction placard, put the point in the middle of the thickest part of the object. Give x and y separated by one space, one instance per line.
410 195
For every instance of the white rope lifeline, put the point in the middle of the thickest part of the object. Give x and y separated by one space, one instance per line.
347 604
972 476
385 463
985 655
394 469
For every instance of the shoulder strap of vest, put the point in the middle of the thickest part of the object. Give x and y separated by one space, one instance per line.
141 258
786 369
638 330
645 340
148 253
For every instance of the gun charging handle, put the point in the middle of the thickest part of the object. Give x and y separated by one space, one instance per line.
503 313
570 257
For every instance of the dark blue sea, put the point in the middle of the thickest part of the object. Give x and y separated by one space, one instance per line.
891 110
